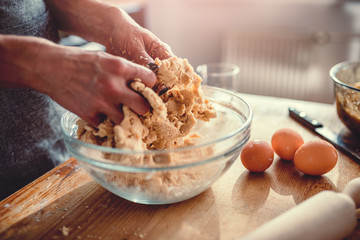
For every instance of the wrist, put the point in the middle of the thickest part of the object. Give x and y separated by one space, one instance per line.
92 20
16 61
19 61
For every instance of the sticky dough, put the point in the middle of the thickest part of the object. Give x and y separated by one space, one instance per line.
177 103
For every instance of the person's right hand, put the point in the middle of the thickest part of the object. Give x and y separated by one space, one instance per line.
87 83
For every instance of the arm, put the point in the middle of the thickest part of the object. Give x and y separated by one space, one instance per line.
87 83
110 26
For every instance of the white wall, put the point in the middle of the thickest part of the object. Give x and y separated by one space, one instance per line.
194 28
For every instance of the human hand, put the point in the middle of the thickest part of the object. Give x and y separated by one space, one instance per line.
97 84
137 44
90 84
110 26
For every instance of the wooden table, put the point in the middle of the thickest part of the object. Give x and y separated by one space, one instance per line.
66 203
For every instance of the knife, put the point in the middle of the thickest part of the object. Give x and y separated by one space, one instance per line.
351 148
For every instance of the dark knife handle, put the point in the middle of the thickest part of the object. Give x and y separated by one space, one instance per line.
302 118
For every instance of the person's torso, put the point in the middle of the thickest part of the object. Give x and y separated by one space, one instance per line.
26 17
30 139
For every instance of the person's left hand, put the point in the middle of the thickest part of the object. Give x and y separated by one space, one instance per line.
109 25
137 44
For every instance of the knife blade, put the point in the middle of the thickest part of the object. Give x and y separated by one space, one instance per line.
351 148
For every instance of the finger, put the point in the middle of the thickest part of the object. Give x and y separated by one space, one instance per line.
146 76
162 51
135 102
124 68
144 59
115 114
137 54
93 120
157 49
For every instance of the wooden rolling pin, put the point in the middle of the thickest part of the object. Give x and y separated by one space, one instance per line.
325 216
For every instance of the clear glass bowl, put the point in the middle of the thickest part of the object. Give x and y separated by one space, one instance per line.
193 169
346 77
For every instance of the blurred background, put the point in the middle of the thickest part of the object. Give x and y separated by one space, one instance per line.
284 48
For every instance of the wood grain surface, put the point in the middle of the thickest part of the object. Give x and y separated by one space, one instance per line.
66 204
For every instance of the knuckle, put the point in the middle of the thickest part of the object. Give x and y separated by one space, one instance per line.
118 64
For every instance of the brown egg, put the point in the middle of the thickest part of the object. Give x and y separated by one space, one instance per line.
315 157
285 142
257 156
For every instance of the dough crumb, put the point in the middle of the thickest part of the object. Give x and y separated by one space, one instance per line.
65 231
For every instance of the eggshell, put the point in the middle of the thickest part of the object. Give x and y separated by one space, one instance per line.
285 142
315 157
257 156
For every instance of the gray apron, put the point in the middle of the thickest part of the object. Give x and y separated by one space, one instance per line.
30 136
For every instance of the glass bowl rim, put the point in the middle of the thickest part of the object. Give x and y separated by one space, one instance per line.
245 125
336 68
235 68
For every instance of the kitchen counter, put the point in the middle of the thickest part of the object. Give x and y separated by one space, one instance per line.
67 203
